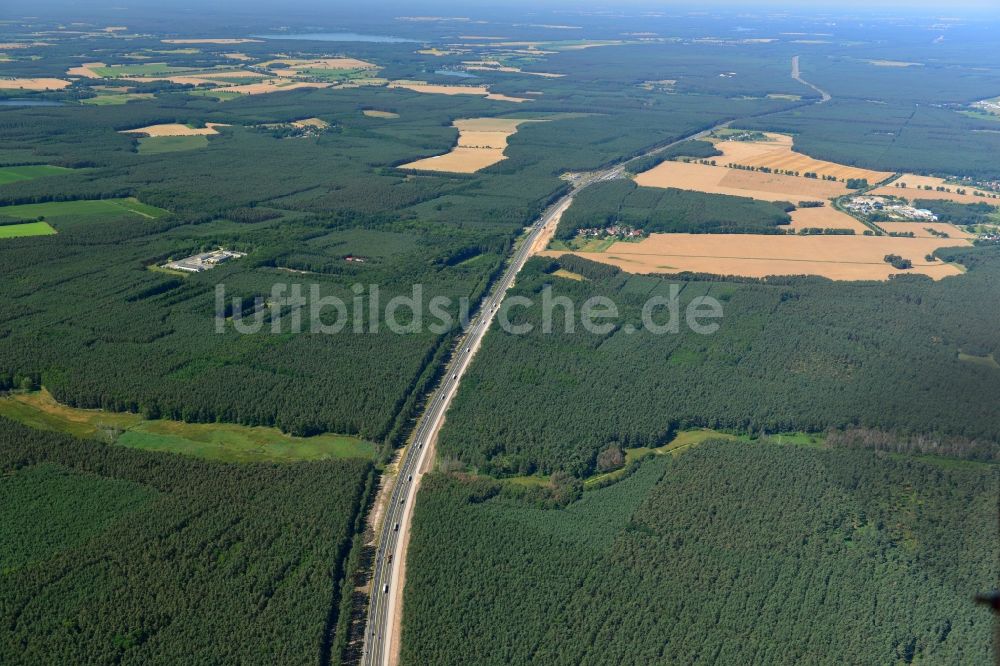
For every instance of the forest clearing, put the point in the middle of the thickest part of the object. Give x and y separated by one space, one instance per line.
481 143
442 89
175 129
375 113
210 441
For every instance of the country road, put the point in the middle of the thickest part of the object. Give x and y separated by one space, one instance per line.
383 626
797 75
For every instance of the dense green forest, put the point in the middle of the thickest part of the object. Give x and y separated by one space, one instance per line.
88 319
112 555
670 210
732 552
957 213
790 354
891 137
735 553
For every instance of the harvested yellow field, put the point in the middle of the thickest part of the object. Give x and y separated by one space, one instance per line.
834 257
277 85
242 57
175 129
439 89
433 89
375 113
915 190
506 98
920 229
481 143
734 182
311 122
826 217
777 153
33 84
211 41
86 70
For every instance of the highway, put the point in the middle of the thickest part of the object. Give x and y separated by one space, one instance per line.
381 644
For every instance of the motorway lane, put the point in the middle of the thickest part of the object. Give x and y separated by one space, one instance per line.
395 522
385 601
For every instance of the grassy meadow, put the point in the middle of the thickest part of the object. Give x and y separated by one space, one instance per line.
209 441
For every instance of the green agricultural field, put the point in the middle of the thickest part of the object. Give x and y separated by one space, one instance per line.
335 75
18 173
210 441
155 145
80 212
114 99
26 229
146 69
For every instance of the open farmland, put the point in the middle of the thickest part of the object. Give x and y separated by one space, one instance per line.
33 84
438 89
911 186
834 257
116 99
481 143
26 229
15 174
88 70
777 153
920 229
295 66
735 182
824 217
175 129
64 214
272 86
